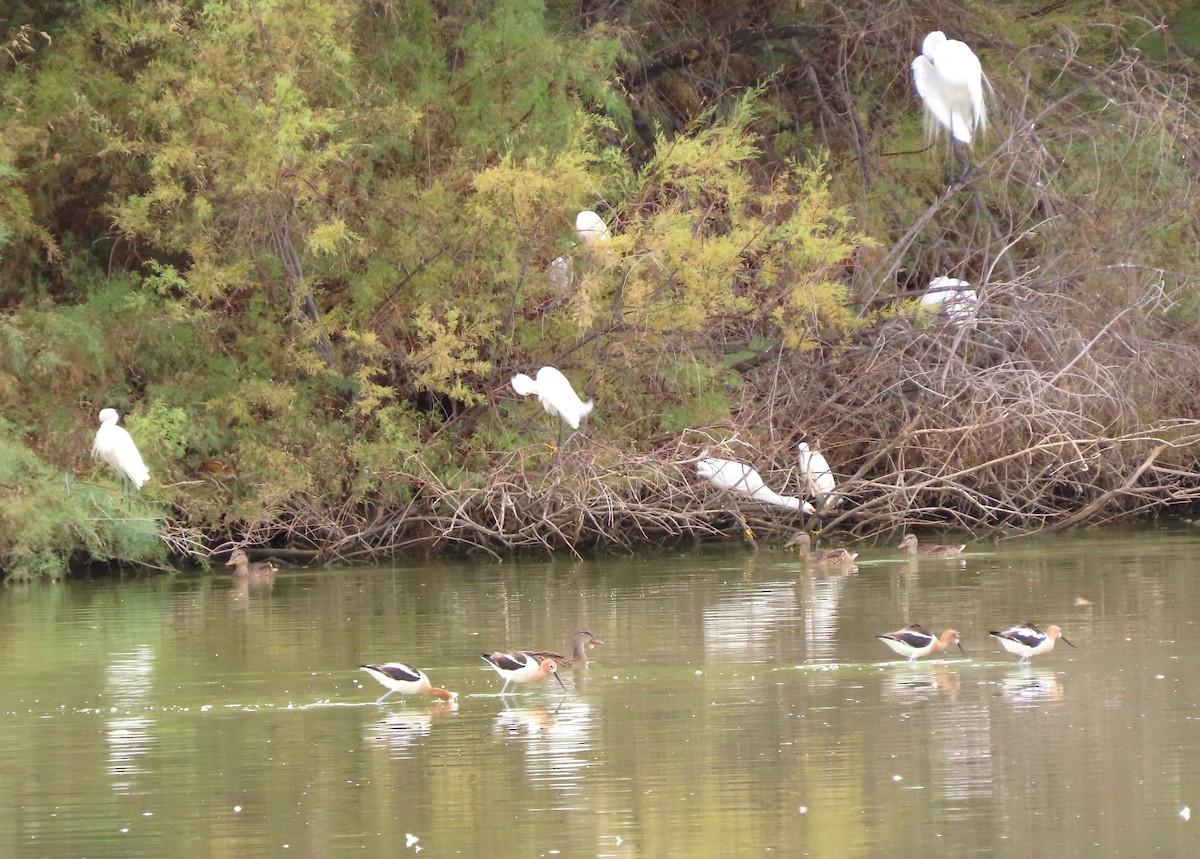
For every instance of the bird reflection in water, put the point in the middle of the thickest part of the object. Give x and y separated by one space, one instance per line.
1026 687
398 731
919 684
558 744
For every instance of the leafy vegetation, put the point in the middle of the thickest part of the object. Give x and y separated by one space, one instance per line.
310 240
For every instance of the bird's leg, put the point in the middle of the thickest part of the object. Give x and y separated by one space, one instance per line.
379 700
967 167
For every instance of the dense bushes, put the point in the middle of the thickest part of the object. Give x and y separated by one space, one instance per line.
311 240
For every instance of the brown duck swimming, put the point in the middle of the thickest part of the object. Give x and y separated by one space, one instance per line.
833 557
243 567
937 550
580 642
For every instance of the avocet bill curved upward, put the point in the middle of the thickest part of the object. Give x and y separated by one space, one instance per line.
521 667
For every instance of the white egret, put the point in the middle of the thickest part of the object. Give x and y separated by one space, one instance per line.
115 446
591 228
739 477
950 82
560 274
556 395
953 297
816 476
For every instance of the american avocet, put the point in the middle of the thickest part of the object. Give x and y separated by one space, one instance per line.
1027 641
522 667
803 544
914 641
909 543
403 678
580 642
243 567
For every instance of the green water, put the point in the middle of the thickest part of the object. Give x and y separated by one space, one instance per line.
741 706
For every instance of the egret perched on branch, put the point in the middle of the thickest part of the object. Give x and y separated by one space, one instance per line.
950 82
739 477
816 476
115 446
556 395
590 227
955 298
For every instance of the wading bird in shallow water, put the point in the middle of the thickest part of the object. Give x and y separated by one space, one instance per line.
403 678
241 562
937 550
556 395
950 82
816 477
1027 641
737 477
832 557
115 446
521 667
580 641
915 641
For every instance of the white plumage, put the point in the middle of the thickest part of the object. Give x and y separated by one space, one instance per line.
950 82
816 476
739 477
590 227
115 446
953 297
556 396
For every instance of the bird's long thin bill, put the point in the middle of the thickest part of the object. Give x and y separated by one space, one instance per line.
1067 642
560 681
960 648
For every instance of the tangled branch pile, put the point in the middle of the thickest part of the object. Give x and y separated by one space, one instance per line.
311 241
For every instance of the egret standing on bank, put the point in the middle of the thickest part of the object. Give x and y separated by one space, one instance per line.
115 446
950 82
816 477
556 395
739 477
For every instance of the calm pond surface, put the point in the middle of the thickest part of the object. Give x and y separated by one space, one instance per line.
740 707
